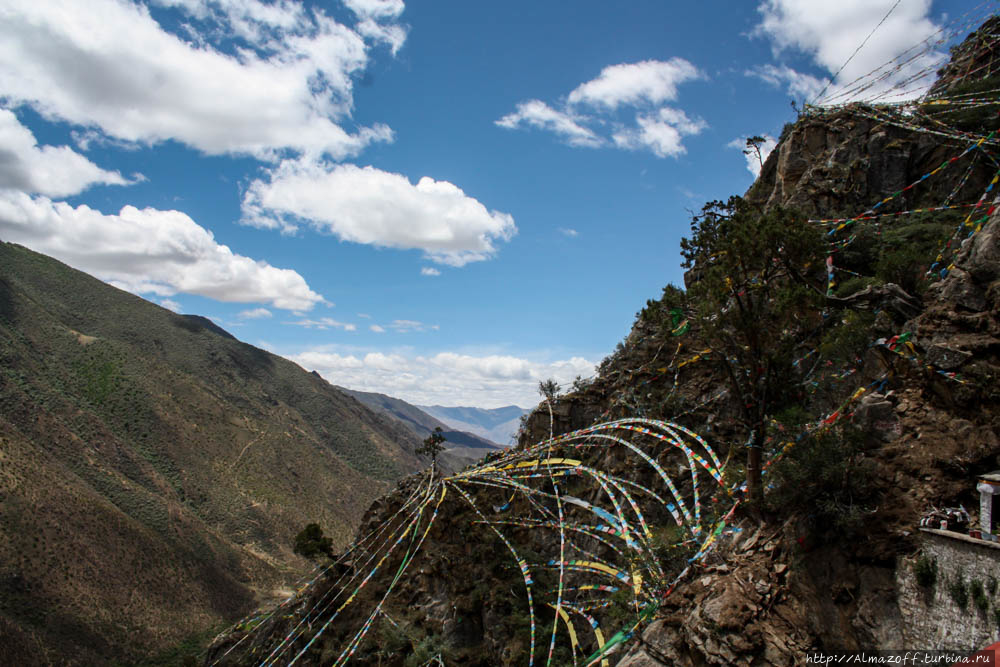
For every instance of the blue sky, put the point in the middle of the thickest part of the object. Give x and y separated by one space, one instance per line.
443 201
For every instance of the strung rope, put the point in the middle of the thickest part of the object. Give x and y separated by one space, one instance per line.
600 499
851 57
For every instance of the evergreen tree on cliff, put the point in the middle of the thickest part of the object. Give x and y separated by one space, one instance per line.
433 446
755 298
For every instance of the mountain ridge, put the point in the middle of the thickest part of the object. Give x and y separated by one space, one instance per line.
155 468
497 424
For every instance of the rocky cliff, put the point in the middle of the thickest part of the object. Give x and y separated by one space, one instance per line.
891 407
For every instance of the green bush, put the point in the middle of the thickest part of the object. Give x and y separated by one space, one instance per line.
907 250
926 570
959 591
828 476
979 598
854 284
848 340
310 542
669 548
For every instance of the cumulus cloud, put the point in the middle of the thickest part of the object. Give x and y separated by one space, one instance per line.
429 271
170 304
539 115
582 118
572 233
48 170
108 65
446 378
661 132
371 206
148 251
649 81
377 329
831 32
753 164
255 314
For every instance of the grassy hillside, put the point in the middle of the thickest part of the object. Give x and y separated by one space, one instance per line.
154 469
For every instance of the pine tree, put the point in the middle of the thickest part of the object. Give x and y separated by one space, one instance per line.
756 296
432 445
311 542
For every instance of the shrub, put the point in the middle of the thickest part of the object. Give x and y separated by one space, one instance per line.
926 570
959 591
827 473
848 341
979 598
311 542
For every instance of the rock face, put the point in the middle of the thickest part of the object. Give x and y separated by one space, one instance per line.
841 162
929 433
917 402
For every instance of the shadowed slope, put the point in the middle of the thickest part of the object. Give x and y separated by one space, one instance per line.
154 469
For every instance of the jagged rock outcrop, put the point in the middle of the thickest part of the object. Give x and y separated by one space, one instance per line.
934 435
929 433
975 58
841 162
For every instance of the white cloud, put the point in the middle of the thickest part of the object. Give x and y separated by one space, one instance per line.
538 114
373 14
367 205
405 326
799 85
642 85
429 271
391 35
572 233
48 170
649 81
753 164
170 304
108 65
323 324
377 329
830 32
380 9
255 314
446 378
661 132
148 251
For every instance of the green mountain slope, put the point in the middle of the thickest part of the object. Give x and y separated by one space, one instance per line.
154 469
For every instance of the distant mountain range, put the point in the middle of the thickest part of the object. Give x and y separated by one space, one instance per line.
154 470
462 447
497 424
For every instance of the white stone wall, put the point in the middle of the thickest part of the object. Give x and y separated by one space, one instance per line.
931 619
